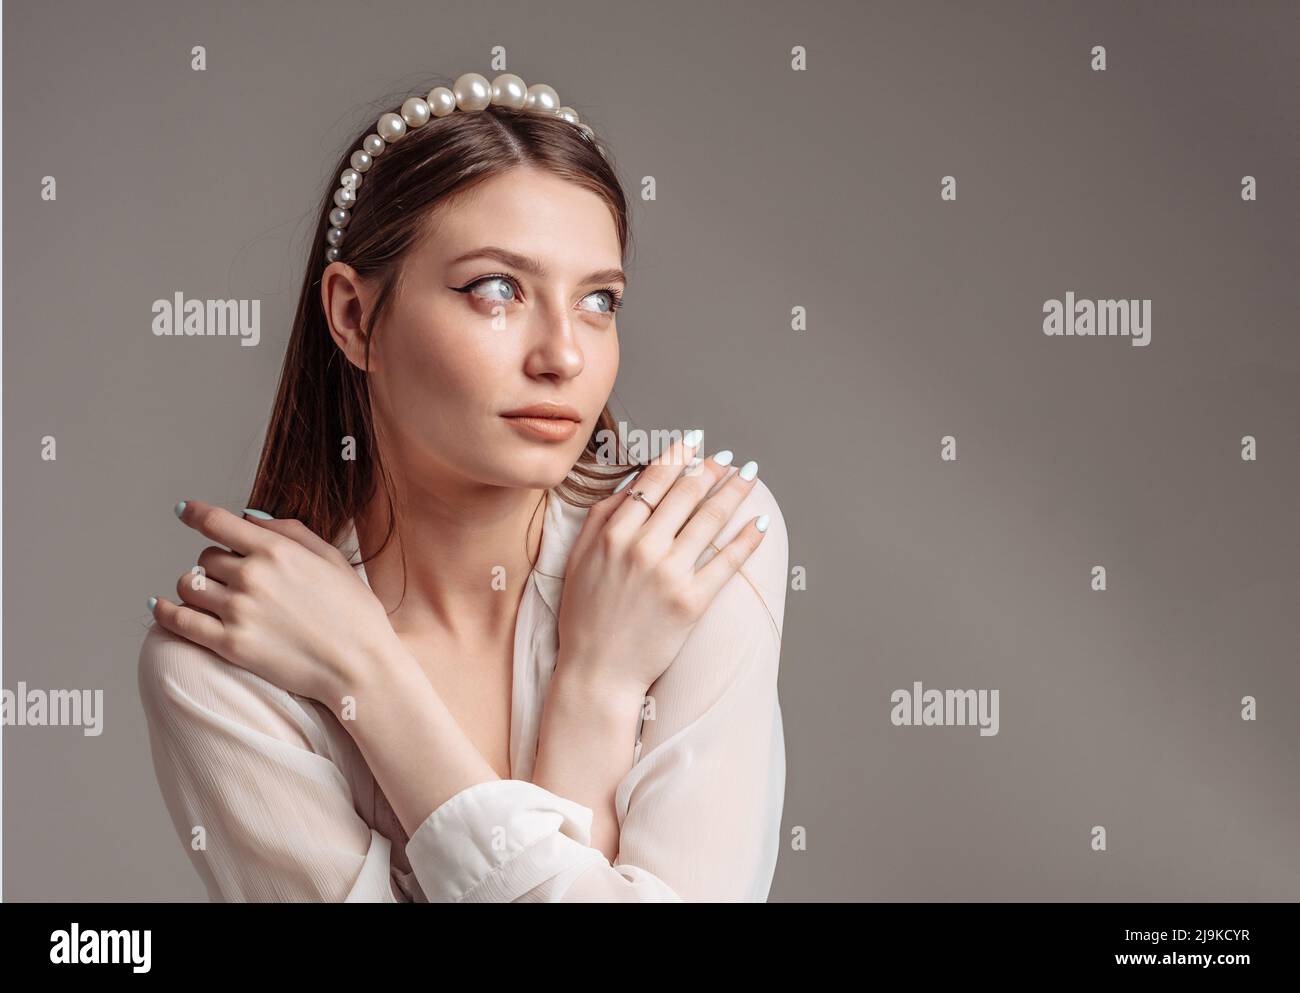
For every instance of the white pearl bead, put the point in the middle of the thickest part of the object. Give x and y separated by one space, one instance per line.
441 101
374 145
568 113
415 112
361 161
344 197
473 91
391 127
350 177
334 236
339 217
508 90
332 254
542 98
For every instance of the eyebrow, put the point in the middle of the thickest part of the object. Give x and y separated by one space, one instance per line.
535 267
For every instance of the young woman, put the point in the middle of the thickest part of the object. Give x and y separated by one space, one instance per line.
507 674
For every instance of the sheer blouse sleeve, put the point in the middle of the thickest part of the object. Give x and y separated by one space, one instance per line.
699 811
253 788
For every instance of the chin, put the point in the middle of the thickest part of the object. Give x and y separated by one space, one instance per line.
543 471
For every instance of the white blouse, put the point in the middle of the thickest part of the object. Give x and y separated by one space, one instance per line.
274 802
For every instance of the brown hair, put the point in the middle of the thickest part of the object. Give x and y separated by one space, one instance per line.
322 397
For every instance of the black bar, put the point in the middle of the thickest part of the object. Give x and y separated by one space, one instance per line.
973 942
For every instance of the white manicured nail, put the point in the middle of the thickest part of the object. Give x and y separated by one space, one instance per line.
763 522
723 457
693 438
749 471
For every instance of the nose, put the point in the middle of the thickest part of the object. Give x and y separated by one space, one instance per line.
553 350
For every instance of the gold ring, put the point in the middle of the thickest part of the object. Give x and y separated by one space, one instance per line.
638 495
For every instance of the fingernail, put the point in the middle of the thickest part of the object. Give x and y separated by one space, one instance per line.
180 508
763 522
153 601
626 480
692 438
260 514
723 457
749 471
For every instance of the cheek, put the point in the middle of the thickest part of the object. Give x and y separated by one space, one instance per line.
438 373
602 361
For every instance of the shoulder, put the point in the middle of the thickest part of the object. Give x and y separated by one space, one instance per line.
172 669
760 584
774 550
185 687
734 650
759 502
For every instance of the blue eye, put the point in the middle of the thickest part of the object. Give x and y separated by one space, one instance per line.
495 283
498 288
611 303
613 296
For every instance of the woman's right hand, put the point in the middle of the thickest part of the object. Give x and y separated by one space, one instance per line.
632 593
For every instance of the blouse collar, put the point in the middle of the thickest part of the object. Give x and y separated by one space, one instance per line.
561 522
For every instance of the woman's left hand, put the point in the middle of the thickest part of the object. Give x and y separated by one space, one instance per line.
283 603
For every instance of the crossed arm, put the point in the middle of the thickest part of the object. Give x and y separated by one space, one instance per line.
695 817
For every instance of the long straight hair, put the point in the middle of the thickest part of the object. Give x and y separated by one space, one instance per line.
323 400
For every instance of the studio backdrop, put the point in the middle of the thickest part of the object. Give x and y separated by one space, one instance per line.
1001 296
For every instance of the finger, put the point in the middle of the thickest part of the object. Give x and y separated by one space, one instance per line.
223 527
190 624
683 499
719 569
654 481
297 531
200 591
218 564
600 512
712 516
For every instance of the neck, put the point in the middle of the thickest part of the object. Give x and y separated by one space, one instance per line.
463 543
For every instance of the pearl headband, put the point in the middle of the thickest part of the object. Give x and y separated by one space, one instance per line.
470 92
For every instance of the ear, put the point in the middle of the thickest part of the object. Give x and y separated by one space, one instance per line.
346 299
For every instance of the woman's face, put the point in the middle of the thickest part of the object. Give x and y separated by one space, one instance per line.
507 304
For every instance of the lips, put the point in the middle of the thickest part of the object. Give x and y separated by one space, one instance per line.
548 411
545 421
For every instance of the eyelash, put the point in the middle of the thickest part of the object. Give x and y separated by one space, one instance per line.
615 296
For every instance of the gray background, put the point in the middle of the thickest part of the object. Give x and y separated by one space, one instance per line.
775 188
